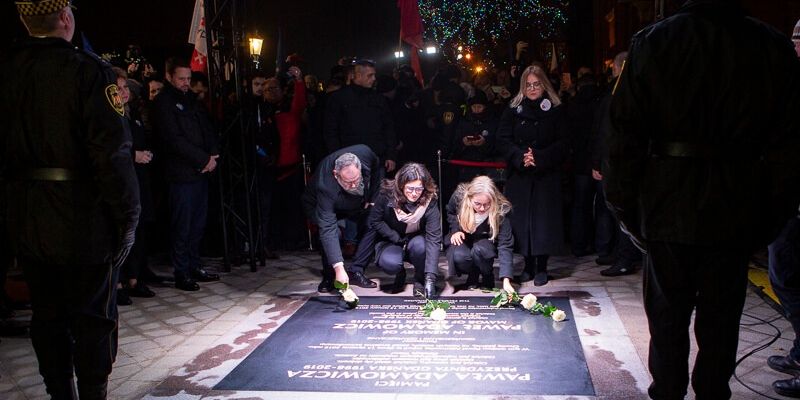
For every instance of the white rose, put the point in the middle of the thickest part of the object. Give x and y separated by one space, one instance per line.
558 315
438 314
349 295
528 301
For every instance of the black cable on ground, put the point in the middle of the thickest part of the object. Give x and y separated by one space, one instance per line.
757 349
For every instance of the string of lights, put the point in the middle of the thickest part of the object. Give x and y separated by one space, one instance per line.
483 24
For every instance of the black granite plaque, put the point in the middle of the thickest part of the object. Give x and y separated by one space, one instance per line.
385 345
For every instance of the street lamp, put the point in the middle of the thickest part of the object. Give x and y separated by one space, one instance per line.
431 49
399 54
255 48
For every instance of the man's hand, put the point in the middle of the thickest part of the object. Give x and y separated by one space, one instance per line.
597 175
212 164
457 238
148 71
341 273
389 164
143 157
296 73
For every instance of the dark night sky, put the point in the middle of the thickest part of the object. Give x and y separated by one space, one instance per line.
322 31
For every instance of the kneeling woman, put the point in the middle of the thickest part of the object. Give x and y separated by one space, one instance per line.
479 233
405 225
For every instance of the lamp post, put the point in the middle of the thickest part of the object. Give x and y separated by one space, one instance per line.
255 48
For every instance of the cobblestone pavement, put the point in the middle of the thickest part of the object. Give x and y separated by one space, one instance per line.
171 343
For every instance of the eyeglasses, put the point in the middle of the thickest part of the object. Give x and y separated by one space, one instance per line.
533 85
348 184
481 206
414 189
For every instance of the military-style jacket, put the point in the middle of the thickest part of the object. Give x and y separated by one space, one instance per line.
61 117
704 151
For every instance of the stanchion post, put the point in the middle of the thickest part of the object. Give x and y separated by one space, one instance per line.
306 170
441 200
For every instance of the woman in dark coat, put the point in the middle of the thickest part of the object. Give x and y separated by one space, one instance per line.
533 138
406 224
479 232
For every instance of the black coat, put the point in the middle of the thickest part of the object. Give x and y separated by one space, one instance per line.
325 201
470 125
705 152
357 115
383 220
535 192
581 112
504 240
186 135
58 111
142 142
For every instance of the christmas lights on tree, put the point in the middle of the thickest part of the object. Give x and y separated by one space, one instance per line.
484 24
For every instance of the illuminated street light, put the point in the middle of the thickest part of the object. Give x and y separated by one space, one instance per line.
255 48
430 50
399 54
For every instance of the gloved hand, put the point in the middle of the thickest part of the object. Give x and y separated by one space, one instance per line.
127 236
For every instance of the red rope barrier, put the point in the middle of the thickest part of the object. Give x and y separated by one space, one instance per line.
478 164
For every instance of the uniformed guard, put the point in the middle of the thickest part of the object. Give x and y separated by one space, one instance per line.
71 192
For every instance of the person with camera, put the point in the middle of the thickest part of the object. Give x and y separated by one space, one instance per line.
480 231
533 138
473 137
406 226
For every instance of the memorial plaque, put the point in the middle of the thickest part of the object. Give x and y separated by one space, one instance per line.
387 345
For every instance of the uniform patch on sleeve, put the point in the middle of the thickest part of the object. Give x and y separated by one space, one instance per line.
115 99
448 117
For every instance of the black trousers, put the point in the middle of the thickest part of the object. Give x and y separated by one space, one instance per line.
137 258
188 203
784 275
480 255
363 254
712 282
74 324
391 258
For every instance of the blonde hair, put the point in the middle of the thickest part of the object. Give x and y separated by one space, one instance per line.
497 211
548 87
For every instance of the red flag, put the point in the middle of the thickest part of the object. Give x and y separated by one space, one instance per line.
411 32
197 37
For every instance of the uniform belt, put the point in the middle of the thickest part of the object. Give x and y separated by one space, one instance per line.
52 174
683 150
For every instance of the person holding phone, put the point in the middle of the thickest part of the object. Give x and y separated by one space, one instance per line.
474 137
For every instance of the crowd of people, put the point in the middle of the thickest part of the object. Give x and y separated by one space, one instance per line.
631 166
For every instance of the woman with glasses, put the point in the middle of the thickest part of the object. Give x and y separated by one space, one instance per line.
532 137
479 233
404 223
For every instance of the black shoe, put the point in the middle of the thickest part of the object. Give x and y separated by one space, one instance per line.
488 282
618 269
201 275
419 289
140 290
787 387
326 286
472 280
399 282
430 286
187 284
358 279
123 299
785 364
540 279
605 260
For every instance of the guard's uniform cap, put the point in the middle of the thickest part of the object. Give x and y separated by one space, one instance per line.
43 7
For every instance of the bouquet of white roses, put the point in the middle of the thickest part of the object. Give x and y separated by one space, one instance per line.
435 309
530 303
348 295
